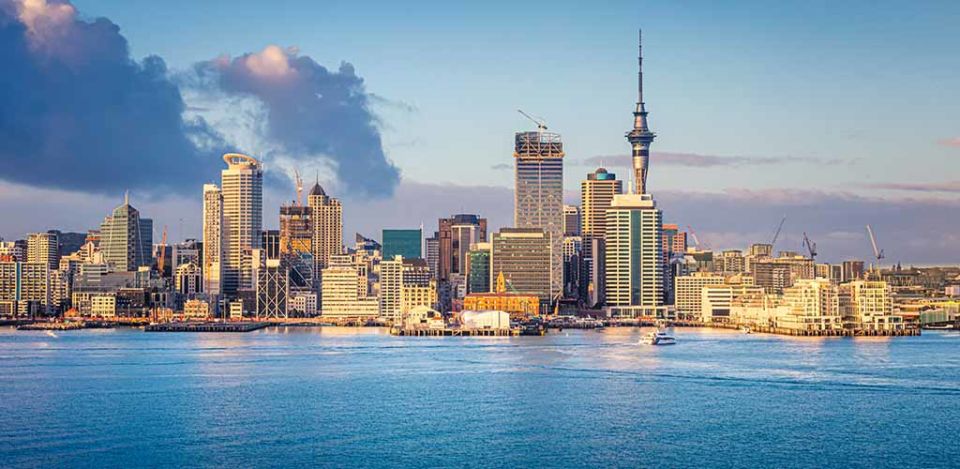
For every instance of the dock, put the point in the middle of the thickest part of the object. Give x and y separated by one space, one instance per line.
205 327
51 326
453 332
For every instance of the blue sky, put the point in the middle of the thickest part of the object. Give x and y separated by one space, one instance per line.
834 113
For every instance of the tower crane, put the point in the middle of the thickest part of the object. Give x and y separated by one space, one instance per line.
877 252
162 260
811 247
777 234
541 125
299 183
696 239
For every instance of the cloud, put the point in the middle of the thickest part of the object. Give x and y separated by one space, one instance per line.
949 186
311 113
77 112
702 161
950 142
502 166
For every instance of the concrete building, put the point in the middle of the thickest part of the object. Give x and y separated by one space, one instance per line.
732 262
523 256
296 229
455 236
813 306
241 186
478 278
634 254
717 301
196 309
44 248
596 195
689 291
126 239
326 215
212 240
538 194
345 291
402 242
24 288
431 253
776 274
851 270
405 284
571 220
13 251
868 306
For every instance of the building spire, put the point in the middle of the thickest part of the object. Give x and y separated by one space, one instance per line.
126 197
640 66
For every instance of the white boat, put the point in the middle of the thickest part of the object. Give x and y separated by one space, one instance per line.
658 337
746 330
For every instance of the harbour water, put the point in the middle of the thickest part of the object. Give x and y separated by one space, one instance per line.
359 397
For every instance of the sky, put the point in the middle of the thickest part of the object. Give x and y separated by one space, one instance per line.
834 114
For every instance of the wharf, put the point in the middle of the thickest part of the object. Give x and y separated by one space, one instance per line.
453 332
205 327
51 326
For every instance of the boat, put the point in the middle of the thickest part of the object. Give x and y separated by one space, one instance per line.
746 330
658 337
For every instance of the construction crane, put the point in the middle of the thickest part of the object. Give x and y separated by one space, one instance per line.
162 260
777 234
693 234
299 183
541 125
811 246
877 252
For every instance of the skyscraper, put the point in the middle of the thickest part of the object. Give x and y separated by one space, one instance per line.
44 248
538 197
571 220
596 193
456 235
406 243
126 240
242 189
326 215
520 254
212 239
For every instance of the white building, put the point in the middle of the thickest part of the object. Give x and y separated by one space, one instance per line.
688 291
242 193
634 252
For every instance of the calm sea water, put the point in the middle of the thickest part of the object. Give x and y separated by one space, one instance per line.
359 397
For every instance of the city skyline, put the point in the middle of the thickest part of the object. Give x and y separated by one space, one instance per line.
833 214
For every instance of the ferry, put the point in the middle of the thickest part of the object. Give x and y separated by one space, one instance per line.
658 337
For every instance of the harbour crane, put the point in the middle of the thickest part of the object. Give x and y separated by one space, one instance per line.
877 252
777 234
811 247
541 125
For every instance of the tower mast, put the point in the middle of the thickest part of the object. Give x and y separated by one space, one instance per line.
640 137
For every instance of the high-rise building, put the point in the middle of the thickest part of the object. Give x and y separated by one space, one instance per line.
432 253
345 291
813 306
634 254
520 255
24 288
478 260
402 242
596 194
326 215
571 220
296 229
868 305
674 240
538 197
44 248
126 239
212 239
456 235
242 190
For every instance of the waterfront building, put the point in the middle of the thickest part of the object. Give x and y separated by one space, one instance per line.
126 239
405 284
212 239
634 254
196 309
518 305
303 304
717 300
24 288
538 195
522 256
241 185
44 248
345 291
326 215
571 220
689 291
868 306
813 306
478 278
273 289
405 243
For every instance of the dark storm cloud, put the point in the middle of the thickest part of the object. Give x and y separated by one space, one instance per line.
311 113
77 112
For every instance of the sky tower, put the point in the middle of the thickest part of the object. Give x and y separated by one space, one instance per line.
640 137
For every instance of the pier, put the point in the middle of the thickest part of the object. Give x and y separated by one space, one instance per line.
205 327
453 332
